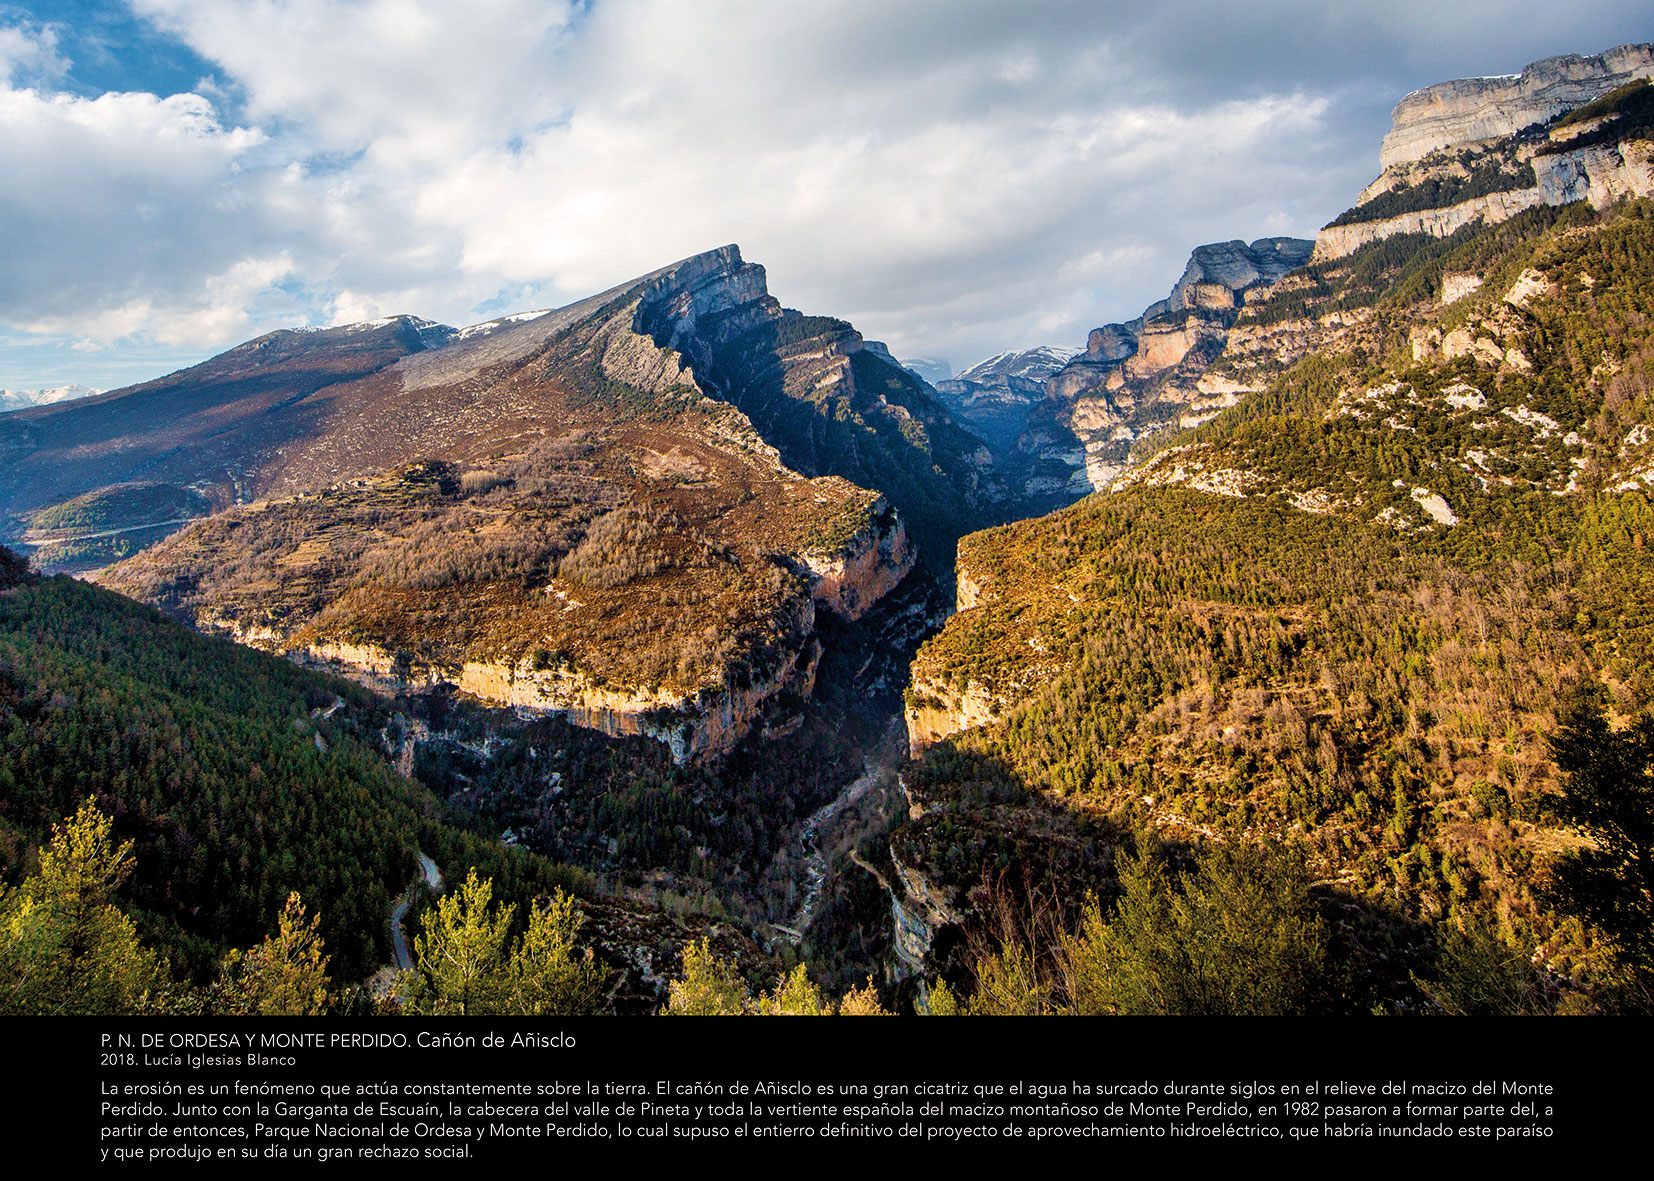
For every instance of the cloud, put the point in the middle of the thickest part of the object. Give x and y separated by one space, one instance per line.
119 209
29 51
409 82
956 176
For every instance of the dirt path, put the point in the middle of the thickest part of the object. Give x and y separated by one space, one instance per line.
31 539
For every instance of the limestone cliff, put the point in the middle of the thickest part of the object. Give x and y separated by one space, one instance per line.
707 721
1598 173
849 578
1145 375
1470 110
935 710
1485 149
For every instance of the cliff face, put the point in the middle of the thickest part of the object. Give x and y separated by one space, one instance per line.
604 536
1598 173
919 911
1485 149
1469 110
1146 375
850 579
707 721
935 710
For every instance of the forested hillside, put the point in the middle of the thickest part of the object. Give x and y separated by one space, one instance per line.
237 776
1343 619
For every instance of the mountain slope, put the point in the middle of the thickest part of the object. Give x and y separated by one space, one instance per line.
578 513
1342 615
238 776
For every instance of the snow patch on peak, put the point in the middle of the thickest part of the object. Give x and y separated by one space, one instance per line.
1036 363
23 399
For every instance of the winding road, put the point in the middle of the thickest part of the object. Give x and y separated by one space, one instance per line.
399 939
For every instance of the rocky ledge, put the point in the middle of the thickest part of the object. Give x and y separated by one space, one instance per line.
1469 110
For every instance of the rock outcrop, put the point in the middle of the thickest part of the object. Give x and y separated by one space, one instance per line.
1145 375
935 710
918 911
1470 110
1485 149
1598 173
707 721
850 578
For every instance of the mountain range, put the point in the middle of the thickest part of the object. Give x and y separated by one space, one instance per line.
711 609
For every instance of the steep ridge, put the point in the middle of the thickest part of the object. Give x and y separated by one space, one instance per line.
553 515
1469 110
831 404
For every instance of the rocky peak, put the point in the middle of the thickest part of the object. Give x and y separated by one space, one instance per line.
1220 272
1036 364
1469 110
704 301
1142 376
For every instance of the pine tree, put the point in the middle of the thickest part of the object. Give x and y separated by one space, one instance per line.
863 1002
794 996
942 1001
547 978
461 957
65 947
285 976
709 986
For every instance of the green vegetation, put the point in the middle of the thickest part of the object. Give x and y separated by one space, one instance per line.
1480 178
118 506
65 947
467 967
1239 933
711 986
285 976
1369 689
1233 929
221 771
1628 112
1403 269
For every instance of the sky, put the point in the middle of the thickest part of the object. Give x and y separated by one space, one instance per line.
955 177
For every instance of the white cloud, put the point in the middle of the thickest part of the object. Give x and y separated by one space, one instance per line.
125 214
408 81
25 50
955 176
